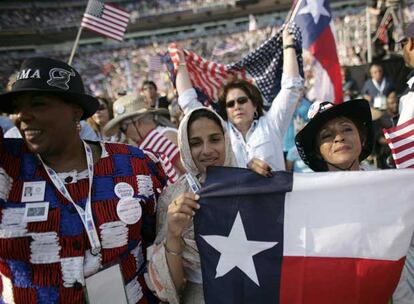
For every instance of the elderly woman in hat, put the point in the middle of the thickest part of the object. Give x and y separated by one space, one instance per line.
337 137
148 128
73 212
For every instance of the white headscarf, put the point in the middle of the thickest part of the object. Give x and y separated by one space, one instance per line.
181 186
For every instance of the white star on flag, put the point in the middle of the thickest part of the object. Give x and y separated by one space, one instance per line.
315 8
236 251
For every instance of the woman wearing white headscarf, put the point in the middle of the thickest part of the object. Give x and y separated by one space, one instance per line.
174 266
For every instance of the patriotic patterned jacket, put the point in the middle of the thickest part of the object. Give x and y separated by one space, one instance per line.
47 262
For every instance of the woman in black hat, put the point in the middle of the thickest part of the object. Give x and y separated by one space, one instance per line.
338 137
90 205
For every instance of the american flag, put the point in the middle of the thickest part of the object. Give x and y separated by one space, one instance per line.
105 19
154 63
386 23
167 151
401 142
263 66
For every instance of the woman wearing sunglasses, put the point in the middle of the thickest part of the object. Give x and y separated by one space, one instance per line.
99 120
256 137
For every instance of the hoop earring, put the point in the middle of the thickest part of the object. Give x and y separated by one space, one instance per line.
256 115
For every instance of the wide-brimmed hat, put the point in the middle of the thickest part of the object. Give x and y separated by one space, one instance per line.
357 110
129 106
45 75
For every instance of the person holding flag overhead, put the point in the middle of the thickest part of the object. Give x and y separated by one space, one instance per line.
256 136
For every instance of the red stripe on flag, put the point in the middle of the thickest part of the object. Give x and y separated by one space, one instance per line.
402 147
321 280
101 32
400 137
401 126
403 159
327 56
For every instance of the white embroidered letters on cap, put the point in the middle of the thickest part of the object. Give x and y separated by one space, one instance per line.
36 74
25 74
60 78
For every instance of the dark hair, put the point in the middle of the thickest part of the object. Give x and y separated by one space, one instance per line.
375 63
203 113
108 104
251 91
151 83
362 130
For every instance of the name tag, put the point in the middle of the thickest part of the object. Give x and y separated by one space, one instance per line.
106 286
380 102
36 212
33 191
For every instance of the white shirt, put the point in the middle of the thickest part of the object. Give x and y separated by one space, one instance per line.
407 103
264 140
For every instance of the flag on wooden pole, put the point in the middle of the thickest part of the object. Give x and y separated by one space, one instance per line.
105 19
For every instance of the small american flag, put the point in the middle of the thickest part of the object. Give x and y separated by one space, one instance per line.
263 66
154 63
385 25
401 142
105 19
166 150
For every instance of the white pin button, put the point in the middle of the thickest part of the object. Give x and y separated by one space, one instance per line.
124 190
129 210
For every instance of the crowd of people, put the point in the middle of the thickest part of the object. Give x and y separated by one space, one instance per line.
114 181
66 16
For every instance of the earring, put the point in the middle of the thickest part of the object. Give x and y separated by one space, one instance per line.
78 125
256 115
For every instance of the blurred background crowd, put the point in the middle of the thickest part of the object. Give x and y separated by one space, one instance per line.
222 31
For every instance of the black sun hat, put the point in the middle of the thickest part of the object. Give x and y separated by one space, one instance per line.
45 75
357 110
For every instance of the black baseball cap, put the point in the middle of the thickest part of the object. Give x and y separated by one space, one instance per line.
50 76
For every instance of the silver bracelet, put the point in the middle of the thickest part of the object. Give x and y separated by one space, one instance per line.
172 252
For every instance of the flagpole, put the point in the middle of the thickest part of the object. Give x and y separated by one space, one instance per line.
369 43
75 46
294 11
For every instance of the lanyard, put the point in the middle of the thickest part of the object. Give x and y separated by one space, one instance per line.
379 87
85 215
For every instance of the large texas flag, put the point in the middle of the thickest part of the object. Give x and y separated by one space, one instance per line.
314 19
309 238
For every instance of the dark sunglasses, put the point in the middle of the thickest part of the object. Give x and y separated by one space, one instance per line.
102 107
241 100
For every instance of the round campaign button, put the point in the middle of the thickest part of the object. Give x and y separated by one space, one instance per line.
129 210
123 190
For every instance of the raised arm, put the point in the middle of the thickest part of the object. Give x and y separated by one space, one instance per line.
187 96
284 105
